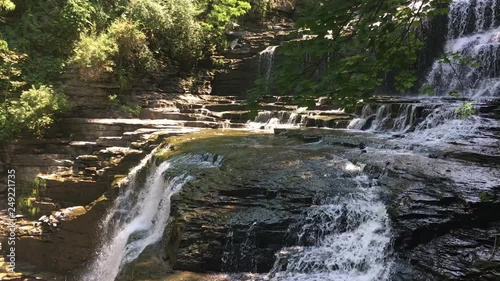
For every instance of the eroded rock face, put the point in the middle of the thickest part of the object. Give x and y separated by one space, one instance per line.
235 219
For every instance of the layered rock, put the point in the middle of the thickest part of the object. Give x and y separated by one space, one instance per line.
442 207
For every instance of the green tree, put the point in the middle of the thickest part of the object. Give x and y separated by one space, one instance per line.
29 111
218 16
347 47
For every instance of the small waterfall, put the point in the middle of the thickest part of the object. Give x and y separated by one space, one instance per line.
477 79
347 239
238 257
266 62
359 123
430 123
471 16
406 118
403 119
140 213
443 125
226 124
269 120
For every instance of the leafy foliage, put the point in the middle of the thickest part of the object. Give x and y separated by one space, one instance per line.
122 46
29 192
10 74
93 55
466 110
32 113
115 103
122 37
349 46
218 15
262 8
7 5
171 25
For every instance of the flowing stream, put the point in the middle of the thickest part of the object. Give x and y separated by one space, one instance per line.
266 61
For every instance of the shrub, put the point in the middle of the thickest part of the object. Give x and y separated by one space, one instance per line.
132 45
6 5
218 16
171 26
33 112
93 55
10 73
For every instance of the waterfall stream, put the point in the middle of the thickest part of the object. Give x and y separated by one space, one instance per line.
473 34
266 62
140 213
348 240
269 120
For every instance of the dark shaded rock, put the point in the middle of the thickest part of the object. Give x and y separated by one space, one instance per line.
235 219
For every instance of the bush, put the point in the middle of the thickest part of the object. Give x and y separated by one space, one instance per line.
132 45
218 16
93 55
10 73
171 26
32 113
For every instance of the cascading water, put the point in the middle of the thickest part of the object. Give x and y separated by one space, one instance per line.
383 119
345 239
269 120
140 214
473 34
266 61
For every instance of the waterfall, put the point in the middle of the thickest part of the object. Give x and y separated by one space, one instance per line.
471 16
346 239
473 34
383 118
140 213
239 256
269 120
266 62
471 70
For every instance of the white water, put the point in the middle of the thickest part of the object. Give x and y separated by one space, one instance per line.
462 12
382 118
268 120
477 40
439 124
473 33
140 214
266 61
352 238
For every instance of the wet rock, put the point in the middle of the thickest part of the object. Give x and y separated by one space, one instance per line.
149 264
462 254
236 222
87 158
63 248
